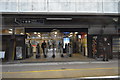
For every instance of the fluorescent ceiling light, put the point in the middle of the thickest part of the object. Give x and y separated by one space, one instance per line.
79 36
76 32
38 33
55 32
59 18
21 33
10 29
10 32
35 32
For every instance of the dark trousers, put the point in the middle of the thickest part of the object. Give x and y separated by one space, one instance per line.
105 56
44 52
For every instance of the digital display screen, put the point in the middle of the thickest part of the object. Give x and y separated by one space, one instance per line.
66 41
66 32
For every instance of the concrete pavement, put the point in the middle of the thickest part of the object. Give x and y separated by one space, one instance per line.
56 70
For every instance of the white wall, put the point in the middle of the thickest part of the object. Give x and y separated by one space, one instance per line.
83 6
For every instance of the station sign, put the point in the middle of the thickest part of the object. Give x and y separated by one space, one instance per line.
29 21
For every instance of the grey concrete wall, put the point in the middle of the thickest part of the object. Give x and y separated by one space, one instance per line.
106 30
82 6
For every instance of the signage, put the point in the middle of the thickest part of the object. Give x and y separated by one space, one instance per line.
2 54
18 52
29 21
66 41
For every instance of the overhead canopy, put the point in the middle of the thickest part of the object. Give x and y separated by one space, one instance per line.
81 21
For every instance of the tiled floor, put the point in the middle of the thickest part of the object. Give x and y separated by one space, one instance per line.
75 57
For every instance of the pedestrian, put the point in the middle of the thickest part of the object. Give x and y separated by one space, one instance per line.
43 46
105 49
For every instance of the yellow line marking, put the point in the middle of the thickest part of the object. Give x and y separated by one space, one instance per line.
60 70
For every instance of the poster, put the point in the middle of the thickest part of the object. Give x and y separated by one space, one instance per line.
18 52
2 54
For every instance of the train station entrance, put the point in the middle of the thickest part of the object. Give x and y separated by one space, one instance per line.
59 37
57 43
46 44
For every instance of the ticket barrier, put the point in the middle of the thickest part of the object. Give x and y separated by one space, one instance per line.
37 51
29 50
45 52
61 52
70 51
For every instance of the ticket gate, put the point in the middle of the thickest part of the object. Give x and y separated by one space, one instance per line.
68 50
37 51
29 50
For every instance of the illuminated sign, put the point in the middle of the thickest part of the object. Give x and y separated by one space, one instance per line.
66 41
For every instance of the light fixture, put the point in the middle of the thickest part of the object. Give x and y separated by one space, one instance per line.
35 32
71 33
79 36
58 18
21 33
55 32
38 33
85 35
10 32
76 32
10 29
115 19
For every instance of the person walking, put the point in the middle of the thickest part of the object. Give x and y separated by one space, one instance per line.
105 49
43 46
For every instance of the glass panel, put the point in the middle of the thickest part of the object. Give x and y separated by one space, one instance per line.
6 31
19 31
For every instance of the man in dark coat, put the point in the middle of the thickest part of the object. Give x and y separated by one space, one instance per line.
106 45
43 46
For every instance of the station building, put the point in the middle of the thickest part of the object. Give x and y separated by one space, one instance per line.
83 24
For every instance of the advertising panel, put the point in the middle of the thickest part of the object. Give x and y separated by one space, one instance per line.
18 52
